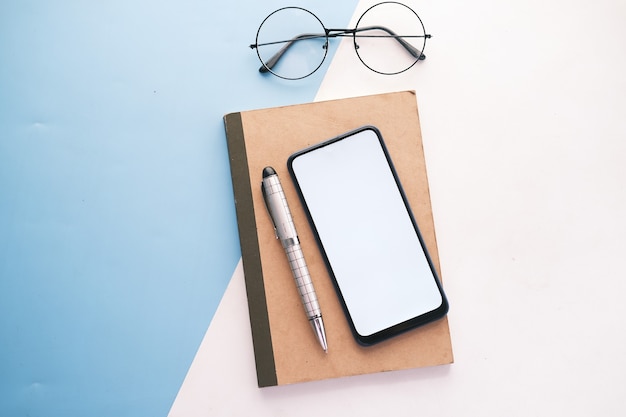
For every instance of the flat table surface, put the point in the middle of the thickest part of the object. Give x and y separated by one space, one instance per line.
121 290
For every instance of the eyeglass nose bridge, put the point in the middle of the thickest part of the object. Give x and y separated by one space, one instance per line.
336 33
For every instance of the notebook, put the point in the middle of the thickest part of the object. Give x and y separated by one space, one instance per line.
286 350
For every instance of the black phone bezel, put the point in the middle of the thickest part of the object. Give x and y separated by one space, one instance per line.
430 316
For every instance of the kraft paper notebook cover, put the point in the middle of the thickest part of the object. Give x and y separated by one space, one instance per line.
285 347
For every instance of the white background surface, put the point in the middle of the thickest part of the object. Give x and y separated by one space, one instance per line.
522 108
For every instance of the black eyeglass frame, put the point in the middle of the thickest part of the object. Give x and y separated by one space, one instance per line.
334 33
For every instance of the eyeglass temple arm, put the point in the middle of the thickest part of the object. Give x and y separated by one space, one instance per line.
416 53
267 66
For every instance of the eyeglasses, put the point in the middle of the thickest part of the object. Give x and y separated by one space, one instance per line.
292 42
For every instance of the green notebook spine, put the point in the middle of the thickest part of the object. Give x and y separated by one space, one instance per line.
248 239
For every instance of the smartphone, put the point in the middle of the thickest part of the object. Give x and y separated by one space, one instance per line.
368 236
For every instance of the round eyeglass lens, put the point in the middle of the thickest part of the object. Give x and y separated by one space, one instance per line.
291 43
390 38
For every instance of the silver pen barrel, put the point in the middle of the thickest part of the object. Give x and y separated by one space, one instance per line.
286 232
303 281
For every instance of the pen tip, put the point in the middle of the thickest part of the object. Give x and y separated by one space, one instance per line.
267 171
318 327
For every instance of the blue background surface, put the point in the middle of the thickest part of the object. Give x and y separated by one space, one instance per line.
117 224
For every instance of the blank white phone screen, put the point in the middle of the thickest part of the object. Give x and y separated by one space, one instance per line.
366 232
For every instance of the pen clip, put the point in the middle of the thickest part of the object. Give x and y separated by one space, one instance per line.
267 206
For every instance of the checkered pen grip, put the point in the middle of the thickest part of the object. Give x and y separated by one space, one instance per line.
303 280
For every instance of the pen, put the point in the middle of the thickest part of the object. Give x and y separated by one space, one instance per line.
286 232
